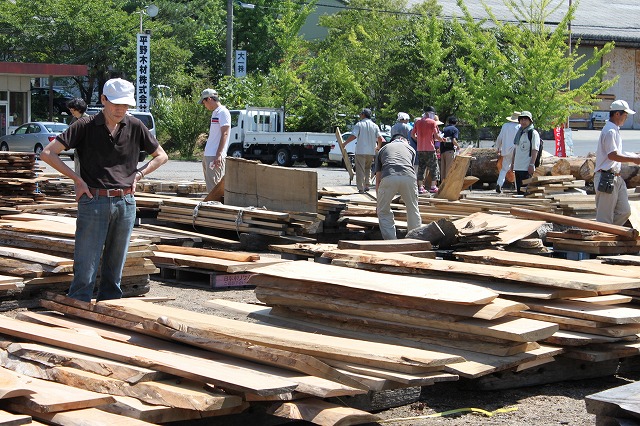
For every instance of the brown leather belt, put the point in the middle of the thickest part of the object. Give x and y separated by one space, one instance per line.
110 192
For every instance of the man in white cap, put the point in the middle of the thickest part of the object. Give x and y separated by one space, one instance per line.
401 127
215 151
612 198
108 145
504 146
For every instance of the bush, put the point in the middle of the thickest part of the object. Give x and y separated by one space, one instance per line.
180 121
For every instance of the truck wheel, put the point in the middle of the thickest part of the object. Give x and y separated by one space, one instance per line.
235 150
283 158
313 162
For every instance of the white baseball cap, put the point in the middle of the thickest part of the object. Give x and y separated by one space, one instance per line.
621 105
119 91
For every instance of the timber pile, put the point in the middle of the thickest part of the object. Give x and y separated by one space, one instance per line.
19 183
434 314
240 219
584 299
195 188
40 252
197 369
538 186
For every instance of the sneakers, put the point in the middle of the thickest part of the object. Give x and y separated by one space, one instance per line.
498 188
433 189
421 190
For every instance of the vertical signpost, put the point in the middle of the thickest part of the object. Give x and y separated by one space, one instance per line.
241 63
143 81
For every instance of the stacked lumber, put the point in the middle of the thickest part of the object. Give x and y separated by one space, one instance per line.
435 314
195 188
260 221
165 364
19 183
40 252
538 186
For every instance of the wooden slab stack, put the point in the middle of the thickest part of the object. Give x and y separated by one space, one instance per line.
41 253
256 363
219 216
18 179
538 186
616 406
437 314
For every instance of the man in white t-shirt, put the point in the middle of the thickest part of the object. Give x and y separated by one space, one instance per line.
505 146
215 151
612 201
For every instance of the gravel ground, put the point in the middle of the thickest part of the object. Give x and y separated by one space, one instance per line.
554 404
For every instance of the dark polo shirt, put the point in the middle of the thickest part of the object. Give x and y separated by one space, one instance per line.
106 161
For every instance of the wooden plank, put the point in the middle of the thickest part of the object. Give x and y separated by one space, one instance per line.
160 414
50 397
497 308
212 264
499 257
609 299
504 328
374 282
452 185
475 365
405 244
32 256
310 344
205 237
12 385
217 193
51 356
345 155
238 257
323 413
621 401
607 314
83 417
562 279
207 370
253 184
583 325
630 233
10 419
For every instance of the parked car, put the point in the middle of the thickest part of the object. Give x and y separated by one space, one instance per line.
335 155
40 101
32 137
145 117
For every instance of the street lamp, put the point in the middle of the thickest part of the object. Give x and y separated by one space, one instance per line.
151 11
229 60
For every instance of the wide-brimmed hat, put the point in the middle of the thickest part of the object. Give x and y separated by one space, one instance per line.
120 92
621 105
207 93
514 117
438 122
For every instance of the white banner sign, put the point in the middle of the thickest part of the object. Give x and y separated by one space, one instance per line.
143 82
241 63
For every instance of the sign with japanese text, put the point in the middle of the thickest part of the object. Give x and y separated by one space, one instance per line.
241 63
558 134
143 66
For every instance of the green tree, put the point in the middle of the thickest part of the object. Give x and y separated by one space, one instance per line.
524 66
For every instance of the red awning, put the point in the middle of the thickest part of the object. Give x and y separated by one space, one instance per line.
42 70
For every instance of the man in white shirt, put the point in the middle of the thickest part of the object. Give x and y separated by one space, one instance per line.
612 198
504 146
215 151
369 140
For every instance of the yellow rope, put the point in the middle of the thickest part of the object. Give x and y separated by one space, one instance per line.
447 413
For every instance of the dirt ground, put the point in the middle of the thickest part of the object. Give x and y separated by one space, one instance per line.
553 404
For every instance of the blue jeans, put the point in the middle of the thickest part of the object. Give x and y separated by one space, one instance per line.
103 229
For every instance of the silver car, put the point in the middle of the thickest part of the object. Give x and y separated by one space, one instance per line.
32 137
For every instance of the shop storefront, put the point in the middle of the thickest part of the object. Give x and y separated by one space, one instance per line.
15 86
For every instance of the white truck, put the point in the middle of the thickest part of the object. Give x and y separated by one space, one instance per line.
258 134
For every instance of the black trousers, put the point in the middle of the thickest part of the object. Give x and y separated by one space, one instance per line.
520 176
